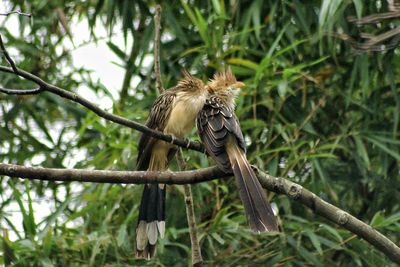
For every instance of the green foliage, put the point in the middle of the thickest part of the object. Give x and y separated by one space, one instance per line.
314 111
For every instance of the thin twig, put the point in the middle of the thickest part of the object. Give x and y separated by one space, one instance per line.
197 259
93 107
34 91
373 18
274 184
16 12
157 69
7 56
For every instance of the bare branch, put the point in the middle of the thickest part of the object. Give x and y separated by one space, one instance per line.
274 184
34 91
7 56
93 107
197 259
16 12
374 43
157 28
106 115
117 177
375 18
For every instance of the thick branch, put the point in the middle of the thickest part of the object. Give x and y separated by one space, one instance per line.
278 185
332 213
117 177
104 114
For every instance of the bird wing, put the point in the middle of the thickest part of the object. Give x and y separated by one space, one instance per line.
214 123
158 118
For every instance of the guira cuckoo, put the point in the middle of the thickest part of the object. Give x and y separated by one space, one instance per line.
174 112
220 132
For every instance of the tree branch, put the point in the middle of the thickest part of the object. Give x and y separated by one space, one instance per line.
332 213
7 56
93 107
375 42
375 18
43 86
16 12
118 177
274 184
197 259
157 69
33 91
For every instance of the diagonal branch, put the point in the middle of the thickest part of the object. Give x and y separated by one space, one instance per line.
104 114
7 56
274 184
375 18
29 15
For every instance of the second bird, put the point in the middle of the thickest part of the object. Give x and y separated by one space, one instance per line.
220 132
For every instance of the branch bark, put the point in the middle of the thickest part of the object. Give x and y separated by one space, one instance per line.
157 69
275 184
197 259
16 12
44 86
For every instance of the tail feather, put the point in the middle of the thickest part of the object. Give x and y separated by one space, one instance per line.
151 220
258 210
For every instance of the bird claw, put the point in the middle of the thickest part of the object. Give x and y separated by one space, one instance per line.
187 142
173 139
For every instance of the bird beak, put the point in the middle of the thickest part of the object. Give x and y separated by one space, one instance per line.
238 85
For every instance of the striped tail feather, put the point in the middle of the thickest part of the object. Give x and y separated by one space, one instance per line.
151 220
258 210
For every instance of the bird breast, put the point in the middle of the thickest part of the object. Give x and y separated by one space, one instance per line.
183 115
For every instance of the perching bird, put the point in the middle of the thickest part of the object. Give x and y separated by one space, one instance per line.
174 112
220 132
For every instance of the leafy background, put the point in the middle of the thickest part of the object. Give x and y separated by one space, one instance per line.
314 111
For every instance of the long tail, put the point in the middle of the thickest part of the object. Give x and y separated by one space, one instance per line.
258 210
151 220
151 223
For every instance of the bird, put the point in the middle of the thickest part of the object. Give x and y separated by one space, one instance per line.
173 112
219 130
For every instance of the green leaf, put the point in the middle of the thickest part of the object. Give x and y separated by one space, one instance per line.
117 51
314 240
217 237
243 62
382 146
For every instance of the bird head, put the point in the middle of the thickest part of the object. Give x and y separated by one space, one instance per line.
225 86
191 84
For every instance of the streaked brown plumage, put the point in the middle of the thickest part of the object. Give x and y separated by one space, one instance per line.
220 132
173 112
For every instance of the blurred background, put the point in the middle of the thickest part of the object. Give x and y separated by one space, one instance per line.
321 108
